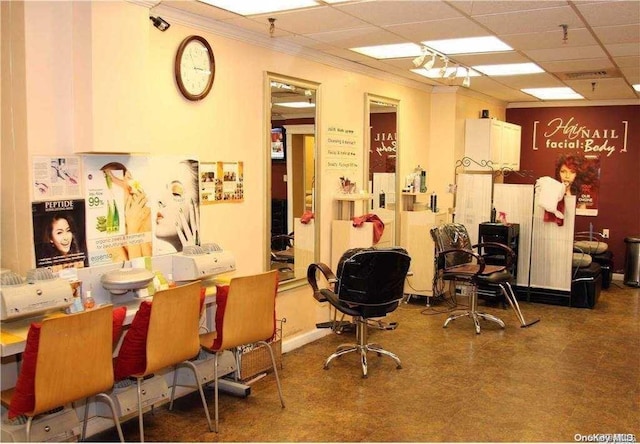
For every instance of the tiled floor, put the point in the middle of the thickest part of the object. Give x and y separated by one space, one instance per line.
575 372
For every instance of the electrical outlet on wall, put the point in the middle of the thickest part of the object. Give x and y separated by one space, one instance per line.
605 233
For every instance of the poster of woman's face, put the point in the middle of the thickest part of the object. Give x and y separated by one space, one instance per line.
140 206
59 234
580 175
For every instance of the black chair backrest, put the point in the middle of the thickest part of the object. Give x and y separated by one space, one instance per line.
450 236
372 277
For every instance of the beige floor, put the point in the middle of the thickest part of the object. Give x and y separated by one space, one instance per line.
575 372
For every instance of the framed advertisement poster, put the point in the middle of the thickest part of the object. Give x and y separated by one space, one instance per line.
221 182
59 234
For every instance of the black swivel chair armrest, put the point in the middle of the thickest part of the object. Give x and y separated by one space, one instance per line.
479 259
510 254
312 279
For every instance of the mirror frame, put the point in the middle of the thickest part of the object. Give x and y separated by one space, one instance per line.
268 78
368 99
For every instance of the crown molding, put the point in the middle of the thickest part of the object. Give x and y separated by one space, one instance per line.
573 103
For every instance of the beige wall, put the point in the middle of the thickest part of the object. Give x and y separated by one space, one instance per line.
98 77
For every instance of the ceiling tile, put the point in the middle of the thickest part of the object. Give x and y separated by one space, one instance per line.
577 65
623 49
533 21
604 13
476 8
399 12
580 52
353 38
438 30
549 39
618 34
313 20
604 89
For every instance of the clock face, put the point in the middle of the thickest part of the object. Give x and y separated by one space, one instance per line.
194 67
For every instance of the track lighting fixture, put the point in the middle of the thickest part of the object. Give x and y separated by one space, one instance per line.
454 72
467 80
443 70
418 61
159 23
430 62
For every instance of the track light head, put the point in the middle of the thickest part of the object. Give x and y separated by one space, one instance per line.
430 62
159 23
443 70
418 61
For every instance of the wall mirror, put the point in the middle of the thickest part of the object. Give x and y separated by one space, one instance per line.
291 175
381 117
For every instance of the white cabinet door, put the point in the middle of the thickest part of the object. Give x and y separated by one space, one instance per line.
510 151
492 140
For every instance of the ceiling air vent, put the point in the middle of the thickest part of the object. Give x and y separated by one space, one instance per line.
585 75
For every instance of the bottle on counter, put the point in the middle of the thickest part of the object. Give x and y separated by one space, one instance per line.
493 214
423 181
88 302
433 203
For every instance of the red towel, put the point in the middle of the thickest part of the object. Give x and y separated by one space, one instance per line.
306 217
378 225
550 217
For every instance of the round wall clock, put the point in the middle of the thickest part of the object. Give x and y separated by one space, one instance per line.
195 67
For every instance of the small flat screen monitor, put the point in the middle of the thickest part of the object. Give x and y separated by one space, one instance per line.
278 144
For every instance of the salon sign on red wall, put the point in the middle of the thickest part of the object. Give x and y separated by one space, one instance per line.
572 134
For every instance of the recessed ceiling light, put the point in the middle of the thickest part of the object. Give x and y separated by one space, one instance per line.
394 51
435 73
469 45
560 93
511 69
252 7
296 104
637 87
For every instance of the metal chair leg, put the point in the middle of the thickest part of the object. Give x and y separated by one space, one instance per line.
510 296
140 421
114 414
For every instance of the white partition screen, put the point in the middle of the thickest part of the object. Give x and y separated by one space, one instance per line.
552 249
473 201
516 202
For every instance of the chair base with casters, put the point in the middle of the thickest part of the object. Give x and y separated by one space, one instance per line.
473 313
370 285
362 346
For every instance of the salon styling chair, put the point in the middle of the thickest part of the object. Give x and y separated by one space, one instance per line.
457 261
369 283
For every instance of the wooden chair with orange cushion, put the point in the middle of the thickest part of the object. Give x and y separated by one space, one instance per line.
68 358
245 315
172 340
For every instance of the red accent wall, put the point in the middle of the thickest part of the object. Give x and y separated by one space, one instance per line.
382 155
609 133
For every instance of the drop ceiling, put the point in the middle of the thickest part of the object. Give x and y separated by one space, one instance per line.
599 57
